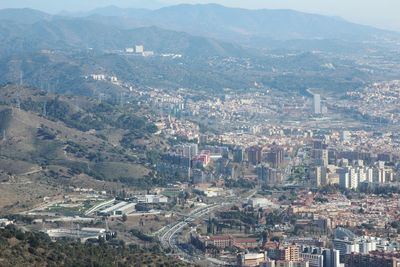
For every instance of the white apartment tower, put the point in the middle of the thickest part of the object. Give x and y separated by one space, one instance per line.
317 104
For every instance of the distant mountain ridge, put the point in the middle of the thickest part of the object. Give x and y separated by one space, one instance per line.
58 52
245 26
57 6
43 31
262 28
23 15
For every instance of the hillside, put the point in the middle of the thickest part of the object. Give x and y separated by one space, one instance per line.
59 53
59 33
65 72
204 30
77 141
18 248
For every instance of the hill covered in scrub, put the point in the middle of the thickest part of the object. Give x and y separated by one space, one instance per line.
53 140
19 248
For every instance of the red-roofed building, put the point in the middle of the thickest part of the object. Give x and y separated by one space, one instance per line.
223 242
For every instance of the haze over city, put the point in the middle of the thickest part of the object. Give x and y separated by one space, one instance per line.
237 133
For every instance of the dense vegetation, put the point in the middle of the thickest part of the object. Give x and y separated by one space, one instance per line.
19 248
5 116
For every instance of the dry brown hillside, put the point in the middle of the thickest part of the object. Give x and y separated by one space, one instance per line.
43 151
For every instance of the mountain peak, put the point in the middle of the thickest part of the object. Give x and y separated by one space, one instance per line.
23 15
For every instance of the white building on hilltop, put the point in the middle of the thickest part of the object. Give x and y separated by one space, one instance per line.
139 49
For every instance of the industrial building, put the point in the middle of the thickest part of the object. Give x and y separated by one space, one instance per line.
127 209
111 210
80 234
152 199
118 209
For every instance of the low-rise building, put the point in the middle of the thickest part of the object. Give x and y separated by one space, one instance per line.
222 242
251 259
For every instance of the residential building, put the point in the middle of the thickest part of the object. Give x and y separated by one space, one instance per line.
331 258
317 104
275 157
372 259
314 260
254 155
273 263
139 49
251 259
238 154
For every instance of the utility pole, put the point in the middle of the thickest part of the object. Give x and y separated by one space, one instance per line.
56 87
122 99
21 75
45 109
107 228
18 104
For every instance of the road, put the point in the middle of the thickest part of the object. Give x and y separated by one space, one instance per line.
168 236
99 206
31 172
173 229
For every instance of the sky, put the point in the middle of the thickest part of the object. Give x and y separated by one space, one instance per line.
379 13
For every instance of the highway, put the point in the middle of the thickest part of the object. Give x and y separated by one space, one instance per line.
167 237
173 229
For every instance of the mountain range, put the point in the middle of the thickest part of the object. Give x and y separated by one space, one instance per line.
54 7
243 26
221 47
39 31
251 28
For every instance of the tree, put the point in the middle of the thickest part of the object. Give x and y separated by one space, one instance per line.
275 239
213 250
273 218
153 156
395 224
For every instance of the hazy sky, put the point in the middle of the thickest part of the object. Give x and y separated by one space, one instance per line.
380 13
